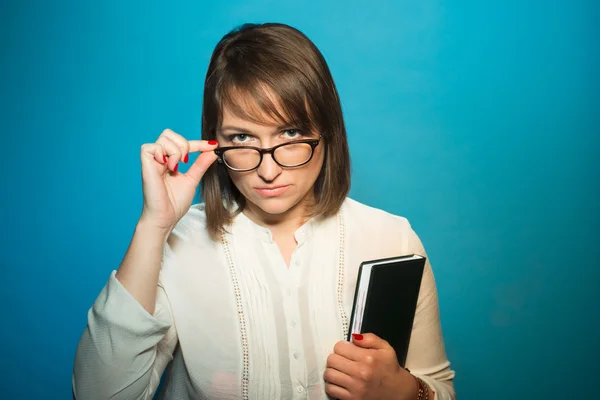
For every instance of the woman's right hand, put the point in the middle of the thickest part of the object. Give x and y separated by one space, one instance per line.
168 194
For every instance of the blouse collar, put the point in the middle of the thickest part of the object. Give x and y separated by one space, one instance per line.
249 227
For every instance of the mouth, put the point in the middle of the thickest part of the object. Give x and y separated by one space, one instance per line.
271 191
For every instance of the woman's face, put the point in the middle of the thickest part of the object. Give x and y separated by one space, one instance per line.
272 192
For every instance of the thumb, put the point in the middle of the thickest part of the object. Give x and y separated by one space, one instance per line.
199 167
369 341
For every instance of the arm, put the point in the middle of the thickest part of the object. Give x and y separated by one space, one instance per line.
426 353
140 267
130 336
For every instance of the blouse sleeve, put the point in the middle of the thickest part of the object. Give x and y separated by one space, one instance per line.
426 356
123 350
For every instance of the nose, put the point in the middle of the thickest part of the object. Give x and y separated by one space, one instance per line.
268 169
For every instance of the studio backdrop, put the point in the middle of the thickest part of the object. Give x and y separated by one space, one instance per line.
478 121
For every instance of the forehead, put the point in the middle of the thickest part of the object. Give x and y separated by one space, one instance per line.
251 118
260 105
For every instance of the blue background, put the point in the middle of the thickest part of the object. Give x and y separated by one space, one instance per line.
478 121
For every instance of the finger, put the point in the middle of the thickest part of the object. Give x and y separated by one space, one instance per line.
200 166
349 350
173 152
180 141
202 145
155 151
338 378
370 341
337 392
343 364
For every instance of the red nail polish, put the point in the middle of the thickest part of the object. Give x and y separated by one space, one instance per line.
175 168
186 158
213 142
357 336
164 158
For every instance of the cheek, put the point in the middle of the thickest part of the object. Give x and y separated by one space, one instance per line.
318 163
239 179
307 178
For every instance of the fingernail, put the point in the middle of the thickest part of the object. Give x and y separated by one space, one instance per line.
213 142
164 158
357 336
186 158
175 168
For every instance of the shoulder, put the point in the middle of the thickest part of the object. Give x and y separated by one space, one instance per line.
188 249
194 218
191 229
379 226
193 221
367 216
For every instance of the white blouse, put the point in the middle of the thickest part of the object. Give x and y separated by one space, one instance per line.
232 321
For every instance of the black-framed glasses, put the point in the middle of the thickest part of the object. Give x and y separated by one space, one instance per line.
287 155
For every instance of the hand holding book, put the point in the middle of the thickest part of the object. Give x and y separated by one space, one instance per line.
385 300
370 364
367 367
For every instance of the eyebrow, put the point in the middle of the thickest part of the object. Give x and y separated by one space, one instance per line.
236 129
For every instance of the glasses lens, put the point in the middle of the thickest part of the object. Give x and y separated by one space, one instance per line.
241 158
293 154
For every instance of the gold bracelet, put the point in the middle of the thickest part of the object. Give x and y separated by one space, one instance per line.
422 389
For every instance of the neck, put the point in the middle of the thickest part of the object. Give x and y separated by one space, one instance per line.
284 223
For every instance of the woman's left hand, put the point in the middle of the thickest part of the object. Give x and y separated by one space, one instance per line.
367 368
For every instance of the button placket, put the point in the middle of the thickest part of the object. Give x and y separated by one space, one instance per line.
297 367
294 339
295 344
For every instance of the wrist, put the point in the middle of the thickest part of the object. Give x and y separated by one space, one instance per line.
150 229
408 386
412 387
423 392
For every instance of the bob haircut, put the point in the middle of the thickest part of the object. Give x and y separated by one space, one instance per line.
273 73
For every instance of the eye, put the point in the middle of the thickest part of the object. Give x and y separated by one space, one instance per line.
239 138
292 134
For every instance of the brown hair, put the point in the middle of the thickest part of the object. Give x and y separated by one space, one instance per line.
251 64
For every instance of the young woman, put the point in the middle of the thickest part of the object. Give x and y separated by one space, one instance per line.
248 295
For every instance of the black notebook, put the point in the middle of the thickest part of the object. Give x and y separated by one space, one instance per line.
385 300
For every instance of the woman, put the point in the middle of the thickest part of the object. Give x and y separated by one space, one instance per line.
248 295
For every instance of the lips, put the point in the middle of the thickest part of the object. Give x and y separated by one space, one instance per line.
271 191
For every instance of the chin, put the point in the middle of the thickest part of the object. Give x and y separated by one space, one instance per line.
274 206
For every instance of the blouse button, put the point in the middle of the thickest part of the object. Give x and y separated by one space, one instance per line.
296 355
300 389
297 263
